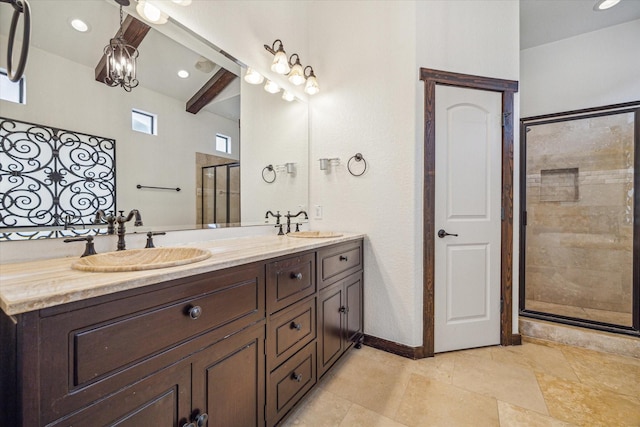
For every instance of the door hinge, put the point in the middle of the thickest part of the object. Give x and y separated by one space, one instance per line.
501 305
502 213
524 217
505 117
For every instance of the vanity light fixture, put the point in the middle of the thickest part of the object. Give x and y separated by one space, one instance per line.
183 74
253 77
311 87
79 25
288 96
280 63
296 75
121 59
151 13
604 5
271 87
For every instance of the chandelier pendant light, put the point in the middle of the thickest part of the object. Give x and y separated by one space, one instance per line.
121 59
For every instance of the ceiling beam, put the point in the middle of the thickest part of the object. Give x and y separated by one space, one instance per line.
210 90
133 31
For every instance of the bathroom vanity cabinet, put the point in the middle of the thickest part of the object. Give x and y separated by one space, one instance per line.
238 346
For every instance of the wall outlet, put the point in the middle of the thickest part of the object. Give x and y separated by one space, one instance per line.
317 212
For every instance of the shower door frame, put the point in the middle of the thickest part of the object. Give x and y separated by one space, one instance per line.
228 167
629 107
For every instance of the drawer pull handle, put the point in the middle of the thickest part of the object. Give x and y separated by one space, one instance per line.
343 309
296 276
296 377
188 425
195 312
202 419
296 326
343 258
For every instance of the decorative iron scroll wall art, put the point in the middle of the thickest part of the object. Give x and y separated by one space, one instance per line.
53 177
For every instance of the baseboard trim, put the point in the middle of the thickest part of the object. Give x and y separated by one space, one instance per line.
392 347
516 339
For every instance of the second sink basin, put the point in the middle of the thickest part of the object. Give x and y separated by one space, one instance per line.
314 234
140 259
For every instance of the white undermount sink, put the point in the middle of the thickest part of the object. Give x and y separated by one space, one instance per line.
314 234
140 259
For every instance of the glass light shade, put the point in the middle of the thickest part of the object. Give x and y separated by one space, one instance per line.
151 13
182 2
296 75
288 96
280 63
253 77
271 87
311 87
605 4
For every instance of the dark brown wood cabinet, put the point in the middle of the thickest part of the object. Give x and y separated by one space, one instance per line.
236 347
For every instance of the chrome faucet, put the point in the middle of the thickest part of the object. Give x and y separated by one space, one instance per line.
121 220
276 216
289 216
109 219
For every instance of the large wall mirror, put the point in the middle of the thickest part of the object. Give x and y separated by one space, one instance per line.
215 156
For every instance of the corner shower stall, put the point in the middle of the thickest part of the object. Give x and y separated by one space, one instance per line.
580 240
220 194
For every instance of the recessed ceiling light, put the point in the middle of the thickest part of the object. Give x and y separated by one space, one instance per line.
183 74
605 4
79 25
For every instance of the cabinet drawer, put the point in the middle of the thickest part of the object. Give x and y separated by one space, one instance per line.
289 280
290 330
337 262
290 382
97 349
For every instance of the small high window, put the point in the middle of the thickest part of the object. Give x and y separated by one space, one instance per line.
12 91
144 122
223 143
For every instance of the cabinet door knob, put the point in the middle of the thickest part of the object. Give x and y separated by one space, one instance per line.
188 425
343 309
296 326
195 312
296 276
343 258
296 377
201 419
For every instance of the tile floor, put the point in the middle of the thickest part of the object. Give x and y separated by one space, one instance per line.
536 384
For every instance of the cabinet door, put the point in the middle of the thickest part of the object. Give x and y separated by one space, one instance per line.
160 400
229 380
354 303
330 326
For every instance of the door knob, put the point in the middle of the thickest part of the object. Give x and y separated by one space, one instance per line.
442 234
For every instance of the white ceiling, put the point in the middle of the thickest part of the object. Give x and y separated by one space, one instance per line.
546 21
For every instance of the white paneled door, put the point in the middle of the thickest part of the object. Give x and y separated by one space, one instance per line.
468 133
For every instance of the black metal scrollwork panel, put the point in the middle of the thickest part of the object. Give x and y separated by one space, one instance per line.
53 177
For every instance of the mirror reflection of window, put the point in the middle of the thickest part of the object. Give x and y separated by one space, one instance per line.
12 91
223 143
144 122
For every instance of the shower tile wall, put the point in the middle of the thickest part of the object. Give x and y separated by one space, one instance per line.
580 218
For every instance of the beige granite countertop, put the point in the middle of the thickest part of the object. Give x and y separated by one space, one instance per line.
33 285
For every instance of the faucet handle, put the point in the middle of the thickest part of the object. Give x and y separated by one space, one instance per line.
150 238
89 248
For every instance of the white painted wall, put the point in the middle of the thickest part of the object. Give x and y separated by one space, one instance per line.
372 102
590 70
67 96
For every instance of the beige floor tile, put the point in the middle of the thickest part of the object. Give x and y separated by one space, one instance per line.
367 381
363 417
539 358
583 405
438 368
515 416
428 402
608 371
320 409
509 383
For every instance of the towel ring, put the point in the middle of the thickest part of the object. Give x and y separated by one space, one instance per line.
357 157
269 168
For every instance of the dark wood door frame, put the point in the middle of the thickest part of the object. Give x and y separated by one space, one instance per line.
507 88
